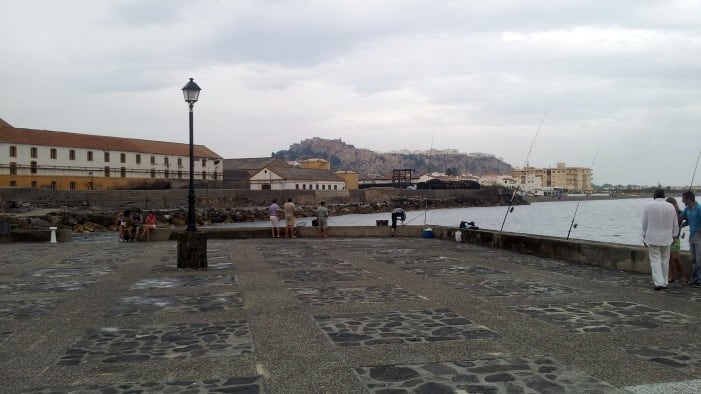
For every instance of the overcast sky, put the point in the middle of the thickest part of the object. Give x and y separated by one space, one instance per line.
620 81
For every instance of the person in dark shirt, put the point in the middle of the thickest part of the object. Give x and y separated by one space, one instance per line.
397 214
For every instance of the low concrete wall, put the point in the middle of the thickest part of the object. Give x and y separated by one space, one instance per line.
611 255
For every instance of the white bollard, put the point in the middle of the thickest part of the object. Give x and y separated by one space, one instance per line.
53 234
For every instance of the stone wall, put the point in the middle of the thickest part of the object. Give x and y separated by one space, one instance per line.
217 198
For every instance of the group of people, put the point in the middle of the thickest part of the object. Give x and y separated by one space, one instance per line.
289 212
662 223
134 227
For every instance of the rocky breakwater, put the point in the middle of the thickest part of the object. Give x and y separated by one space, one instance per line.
80 220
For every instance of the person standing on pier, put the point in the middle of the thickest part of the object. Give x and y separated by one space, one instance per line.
676 272
274 221
397 214
322 215
660 226
290 219
692 215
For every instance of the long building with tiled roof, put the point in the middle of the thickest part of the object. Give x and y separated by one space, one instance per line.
64 160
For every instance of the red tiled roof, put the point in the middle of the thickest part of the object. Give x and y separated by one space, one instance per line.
9 134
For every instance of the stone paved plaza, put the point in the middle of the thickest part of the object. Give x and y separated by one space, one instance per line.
336 315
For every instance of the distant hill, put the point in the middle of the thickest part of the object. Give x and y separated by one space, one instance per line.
343 156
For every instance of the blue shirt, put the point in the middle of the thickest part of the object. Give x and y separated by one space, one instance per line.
693 217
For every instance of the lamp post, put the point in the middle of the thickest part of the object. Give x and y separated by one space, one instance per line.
192 245
191 92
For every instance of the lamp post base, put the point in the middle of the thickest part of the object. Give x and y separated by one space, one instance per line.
192 250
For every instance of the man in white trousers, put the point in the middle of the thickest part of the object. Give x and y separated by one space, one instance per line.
660 227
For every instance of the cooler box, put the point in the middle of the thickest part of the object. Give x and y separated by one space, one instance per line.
427 233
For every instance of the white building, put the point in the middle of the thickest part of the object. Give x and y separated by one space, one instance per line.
61 160
290 178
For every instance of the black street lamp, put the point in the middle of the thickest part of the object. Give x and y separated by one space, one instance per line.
191 92
192 245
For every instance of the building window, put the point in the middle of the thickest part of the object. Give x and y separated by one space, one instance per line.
153 172
89 155
13 168
53 153
304 187
166 161
297 186
122 157
317 186
33 152
13 183
71 185
71 154
107 172
33 167
138 159
153 159
107 157
180 161
323 187
123 172
13 151
34 184
53 185
335 187
180 174
204 163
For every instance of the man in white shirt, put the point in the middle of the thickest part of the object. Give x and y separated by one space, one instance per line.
660 227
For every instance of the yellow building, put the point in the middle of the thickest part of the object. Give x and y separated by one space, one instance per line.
567 179
351 178
72 161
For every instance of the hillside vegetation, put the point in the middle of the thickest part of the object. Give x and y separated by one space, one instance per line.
344 156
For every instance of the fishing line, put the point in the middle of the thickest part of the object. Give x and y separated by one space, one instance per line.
573 224
525 164
695 167
414 218
430 155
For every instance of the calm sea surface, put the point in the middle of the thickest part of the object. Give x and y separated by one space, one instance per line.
616 221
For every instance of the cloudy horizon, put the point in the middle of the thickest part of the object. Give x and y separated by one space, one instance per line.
614 83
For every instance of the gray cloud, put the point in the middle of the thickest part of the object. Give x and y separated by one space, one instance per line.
475 76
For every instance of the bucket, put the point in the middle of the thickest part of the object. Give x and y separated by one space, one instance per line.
458 236
427 233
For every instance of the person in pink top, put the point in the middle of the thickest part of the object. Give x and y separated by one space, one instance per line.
149 225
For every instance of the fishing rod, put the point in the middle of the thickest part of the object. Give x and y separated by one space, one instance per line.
430 155
513 195
573 224
695 167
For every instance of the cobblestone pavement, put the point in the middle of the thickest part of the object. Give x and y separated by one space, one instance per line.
336 315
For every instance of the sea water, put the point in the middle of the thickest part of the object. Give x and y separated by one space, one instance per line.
615 220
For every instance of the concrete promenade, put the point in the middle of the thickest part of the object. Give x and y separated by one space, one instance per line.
336 315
